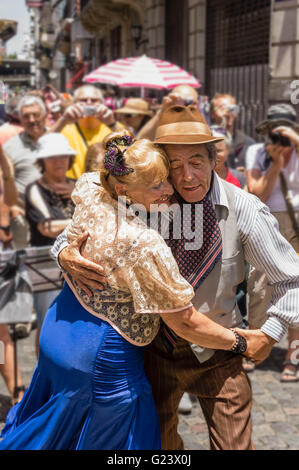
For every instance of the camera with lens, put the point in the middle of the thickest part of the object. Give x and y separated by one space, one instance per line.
233 109
188 102
277 138
90 110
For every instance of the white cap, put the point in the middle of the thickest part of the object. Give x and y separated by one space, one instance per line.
53 145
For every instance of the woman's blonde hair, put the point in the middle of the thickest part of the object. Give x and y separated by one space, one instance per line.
149 163
93 156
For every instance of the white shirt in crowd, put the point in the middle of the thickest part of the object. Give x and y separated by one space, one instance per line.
257 159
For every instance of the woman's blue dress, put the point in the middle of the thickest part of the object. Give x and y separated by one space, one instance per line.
88 391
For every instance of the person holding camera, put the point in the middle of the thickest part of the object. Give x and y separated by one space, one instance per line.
85 123
181 95
273 176
224 111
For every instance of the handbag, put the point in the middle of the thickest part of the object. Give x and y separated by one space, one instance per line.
16 298
289 205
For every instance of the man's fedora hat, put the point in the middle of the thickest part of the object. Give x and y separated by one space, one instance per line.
278 115
184 125
135 106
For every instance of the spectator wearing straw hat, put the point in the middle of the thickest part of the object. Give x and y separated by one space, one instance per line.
135 114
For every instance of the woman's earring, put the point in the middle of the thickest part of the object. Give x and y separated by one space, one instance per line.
128 200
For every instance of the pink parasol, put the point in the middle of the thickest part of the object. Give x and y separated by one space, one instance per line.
144 72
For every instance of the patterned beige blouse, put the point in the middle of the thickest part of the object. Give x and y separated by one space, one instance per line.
143 279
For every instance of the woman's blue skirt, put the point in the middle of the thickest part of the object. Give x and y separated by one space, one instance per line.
88 391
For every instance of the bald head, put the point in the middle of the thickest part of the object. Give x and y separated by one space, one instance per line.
186 92
88 90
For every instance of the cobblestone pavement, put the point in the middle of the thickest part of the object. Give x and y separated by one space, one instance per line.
275 408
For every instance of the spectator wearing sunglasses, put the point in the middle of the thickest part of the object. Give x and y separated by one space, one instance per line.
135 114
224 111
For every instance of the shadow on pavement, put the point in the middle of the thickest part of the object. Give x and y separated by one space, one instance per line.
274 361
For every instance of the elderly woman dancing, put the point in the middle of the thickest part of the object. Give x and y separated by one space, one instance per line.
89 389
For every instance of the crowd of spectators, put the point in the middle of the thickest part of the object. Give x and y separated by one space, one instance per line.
50 139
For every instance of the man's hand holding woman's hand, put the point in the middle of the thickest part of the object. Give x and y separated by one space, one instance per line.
259 345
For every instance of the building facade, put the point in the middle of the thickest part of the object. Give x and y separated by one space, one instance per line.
248 48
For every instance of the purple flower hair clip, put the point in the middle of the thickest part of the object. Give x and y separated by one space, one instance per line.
114 160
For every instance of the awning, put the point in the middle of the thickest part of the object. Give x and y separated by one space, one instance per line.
76 76
35 3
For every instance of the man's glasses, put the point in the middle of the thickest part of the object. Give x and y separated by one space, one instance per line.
89 100
220 130
129 116
229 108
189 102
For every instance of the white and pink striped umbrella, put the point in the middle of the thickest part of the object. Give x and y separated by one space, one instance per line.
144 72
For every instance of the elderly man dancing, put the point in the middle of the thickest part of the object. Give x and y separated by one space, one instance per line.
237 226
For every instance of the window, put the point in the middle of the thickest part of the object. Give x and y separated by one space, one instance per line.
237 32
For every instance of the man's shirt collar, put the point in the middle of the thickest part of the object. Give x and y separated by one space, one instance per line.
217 193
28 141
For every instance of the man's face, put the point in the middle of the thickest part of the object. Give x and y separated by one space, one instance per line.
222 113
33 120
222 153
88 97
190 170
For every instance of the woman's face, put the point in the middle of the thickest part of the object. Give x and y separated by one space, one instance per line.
155 197
56 167
133 120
